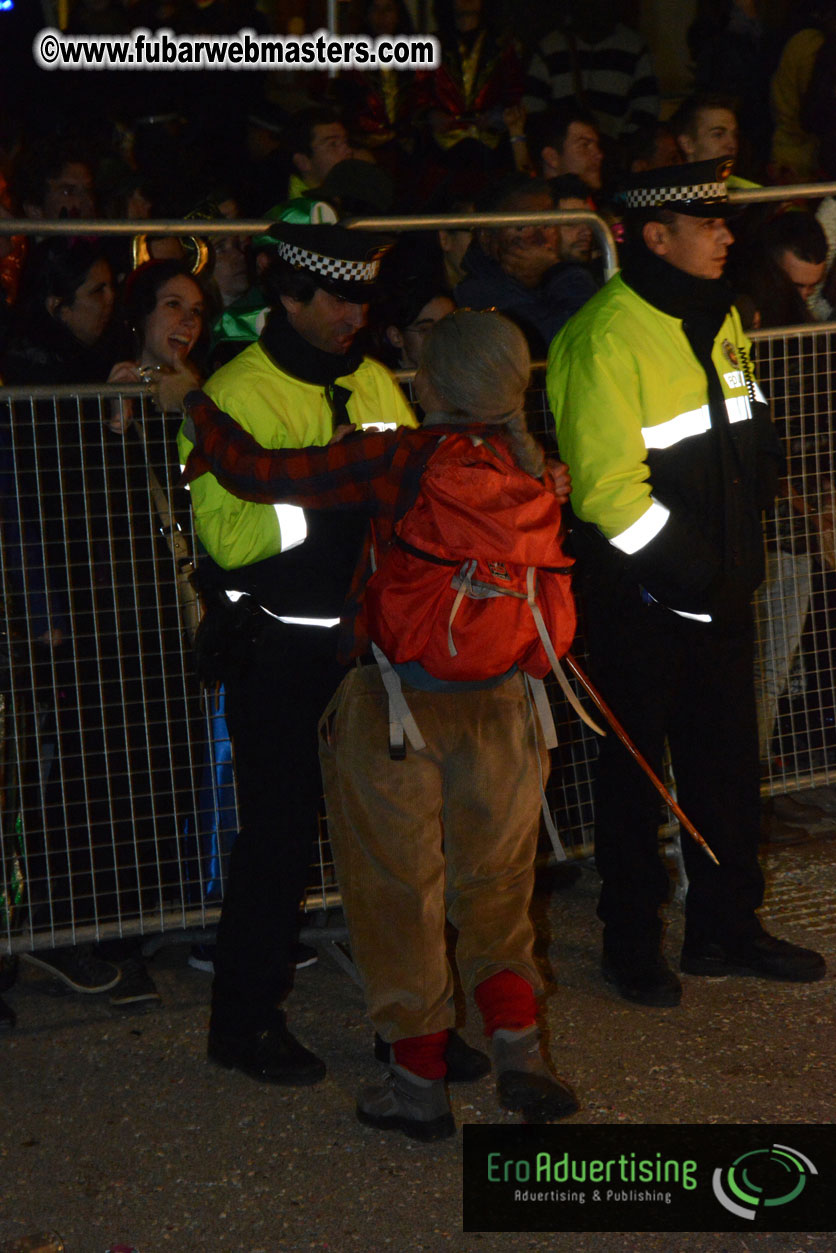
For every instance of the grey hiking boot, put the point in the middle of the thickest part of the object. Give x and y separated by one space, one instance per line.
420 1108
464 1063
524 1083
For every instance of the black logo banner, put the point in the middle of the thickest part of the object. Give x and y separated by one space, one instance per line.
676 1177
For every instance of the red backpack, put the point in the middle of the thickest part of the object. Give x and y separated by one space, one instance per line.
476 580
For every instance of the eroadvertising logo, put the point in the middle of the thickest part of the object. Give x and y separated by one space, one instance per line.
762 1177
569 1177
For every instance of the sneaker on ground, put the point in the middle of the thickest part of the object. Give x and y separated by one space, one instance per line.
775 830
464 1063
273 1055
418 1107
78 968
650 982
524 1082
793 809
202 957
305 955
136 985
765 956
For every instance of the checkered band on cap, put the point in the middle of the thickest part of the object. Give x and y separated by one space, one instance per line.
330 267
653 197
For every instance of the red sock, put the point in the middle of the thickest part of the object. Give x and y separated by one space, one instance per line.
422 1054
506 1000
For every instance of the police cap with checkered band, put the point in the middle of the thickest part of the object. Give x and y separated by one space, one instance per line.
345 263
697 190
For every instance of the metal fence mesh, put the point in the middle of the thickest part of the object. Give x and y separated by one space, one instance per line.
105 729
794 607
117 803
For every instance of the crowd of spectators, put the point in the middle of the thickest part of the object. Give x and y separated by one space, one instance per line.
573 94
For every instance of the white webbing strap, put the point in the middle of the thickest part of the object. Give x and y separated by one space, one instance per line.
465 574
560 673
537 689
400 715
531 686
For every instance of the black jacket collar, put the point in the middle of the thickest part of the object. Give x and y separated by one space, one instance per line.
700 303
297 357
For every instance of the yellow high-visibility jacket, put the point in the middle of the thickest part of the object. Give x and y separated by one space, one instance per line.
292 562
669 477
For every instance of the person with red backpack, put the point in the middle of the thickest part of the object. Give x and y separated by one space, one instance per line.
434 759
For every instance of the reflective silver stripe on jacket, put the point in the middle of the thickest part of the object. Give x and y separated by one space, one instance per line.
695 422
315 622
695 617
293 526
642 531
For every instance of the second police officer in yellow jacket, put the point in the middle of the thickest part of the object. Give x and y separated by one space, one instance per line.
673 458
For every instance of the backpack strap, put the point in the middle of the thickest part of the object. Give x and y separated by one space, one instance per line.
559 672
536 693
537 689
465 588
401 720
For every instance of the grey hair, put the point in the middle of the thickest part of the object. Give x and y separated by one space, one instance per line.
480 364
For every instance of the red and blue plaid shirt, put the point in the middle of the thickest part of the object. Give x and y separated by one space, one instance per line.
374 472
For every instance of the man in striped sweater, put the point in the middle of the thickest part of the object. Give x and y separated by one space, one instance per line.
601 62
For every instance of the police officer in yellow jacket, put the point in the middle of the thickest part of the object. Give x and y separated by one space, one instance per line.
673 458
280 577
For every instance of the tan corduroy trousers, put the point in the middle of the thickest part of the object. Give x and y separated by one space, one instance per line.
449 832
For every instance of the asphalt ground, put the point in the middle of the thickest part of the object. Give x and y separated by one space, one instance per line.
114 1129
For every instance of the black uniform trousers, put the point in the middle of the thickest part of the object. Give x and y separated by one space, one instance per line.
272 711
665 676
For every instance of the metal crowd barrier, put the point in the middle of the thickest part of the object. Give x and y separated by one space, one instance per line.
218 227
795 608
117 802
